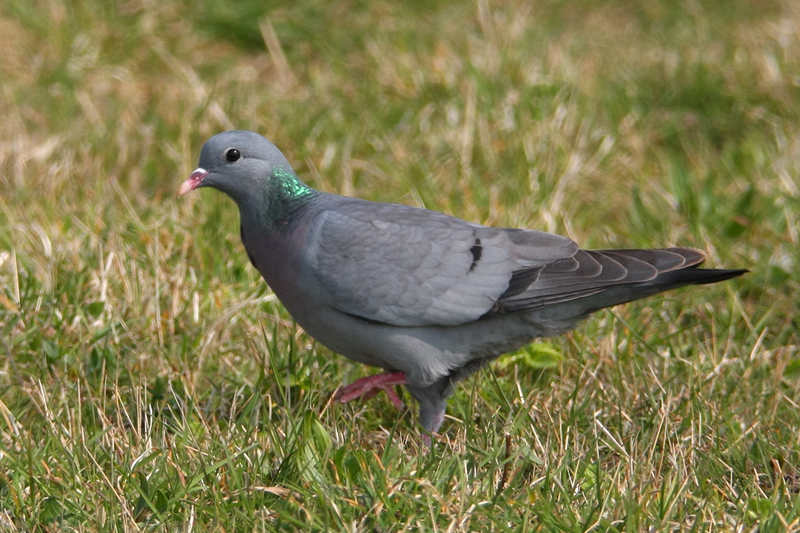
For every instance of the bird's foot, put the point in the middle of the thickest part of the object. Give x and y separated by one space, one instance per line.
368 387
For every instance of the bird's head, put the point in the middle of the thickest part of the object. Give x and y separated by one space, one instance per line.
240 164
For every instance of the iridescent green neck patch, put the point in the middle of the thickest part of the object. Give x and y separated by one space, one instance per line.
292 188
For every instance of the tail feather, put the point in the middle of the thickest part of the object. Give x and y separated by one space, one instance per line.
604 278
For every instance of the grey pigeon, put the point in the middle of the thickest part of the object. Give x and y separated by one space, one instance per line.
428 297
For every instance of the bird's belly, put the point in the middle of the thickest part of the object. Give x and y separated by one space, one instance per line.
326 325
423 354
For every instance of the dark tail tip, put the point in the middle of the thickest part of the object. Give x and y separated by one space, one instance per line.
699 276
713 275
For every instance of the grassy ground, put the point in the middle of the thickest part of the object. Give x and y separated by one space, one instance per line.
150 381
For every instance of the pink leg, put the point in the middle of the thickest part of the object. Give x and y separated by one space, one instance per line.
368 387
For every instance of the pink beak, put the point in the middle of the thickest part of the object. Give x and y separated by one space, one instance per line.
193 181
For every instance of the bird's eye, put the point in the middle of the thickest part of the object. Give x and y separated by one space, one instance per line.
232 155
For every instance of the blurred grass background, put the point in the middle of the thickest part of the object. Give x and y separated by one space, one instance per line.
150 381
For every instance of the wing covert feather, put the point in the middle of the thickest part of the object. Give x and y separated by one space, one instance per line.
411 267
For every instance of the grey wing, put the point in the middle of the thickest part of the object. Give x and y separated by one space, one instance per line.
590 272
411 267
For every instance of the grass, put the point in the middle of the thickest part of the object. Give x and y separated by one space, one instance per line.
152 382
